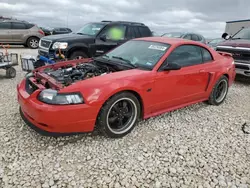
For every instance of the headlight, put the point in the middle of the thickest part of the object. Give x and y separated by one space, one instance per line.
39 44
233 62
61 45
51 96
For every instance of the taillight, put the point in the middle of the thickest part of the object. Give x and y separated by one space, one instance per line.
41 32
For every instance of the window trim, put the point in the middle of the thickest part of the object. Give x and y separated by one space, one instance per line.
200 47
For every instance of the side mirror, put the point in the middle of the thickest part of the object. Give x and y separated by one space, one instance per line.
171 66
225 36
103 37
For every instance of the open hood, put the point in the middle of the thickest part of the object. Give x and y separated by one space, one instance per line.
236 43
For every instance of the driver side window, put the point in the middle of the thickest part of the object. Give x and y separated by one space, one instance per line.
186 55
114 32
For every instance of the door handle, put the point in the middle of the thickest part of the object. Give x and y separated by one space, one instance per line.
202 70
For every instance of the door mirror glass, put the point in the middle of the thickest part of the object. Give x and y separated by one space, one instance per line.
171 66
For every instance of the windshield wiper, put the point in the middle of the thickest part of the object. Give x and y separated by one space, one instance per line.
105 55
236 38
125 60
239 38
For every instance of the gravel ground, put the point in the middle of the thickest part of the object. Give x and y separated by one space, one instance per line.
198 146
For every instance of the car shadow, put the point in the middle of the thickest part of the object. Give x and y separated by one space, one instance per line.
242 80
2 76
15 47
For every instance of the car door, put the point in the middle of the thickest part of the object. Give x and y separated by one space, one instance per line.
178 87
106 42
5 35
18 31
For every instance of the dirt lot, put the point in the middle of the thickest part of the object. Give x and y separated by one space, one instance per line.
199 146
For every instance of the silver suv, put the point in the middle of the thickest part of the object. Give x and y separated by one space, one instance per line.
20 32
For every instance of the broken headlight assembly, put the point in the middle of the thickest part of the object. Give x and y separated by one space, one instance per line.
51 96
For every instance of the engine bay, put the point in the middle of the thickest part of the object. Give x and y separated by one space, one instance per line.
69 74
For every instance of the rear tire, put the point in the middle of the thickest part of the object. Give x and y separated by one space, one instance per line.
119 115
78 55
11 72
219 92
33 42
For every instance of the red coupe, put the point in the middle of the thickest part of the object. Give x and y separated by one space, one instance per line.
142 78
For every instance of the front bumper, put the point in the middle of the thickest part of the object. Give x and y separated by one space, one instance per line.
242 68
46 53
55 120
50 53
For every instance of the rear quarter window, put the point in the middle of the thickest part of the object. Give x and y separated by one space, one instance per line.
206 55
28 26
145 32
137 32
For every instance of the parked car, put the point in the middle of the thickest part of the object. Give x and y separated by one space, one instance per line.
139 79
213 43
60 30
20 32
184 35
92 40
46 30
239 46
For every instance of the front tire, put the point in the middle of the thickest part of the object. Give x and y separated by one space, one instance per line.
219 92
33 42
78 55
119 115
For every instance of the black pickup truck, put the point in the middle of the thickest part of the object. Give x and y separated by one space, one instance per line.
92 40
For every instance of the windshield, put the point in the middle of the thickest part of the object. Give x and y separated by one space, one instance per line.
91 29
136 53
243 34
173 35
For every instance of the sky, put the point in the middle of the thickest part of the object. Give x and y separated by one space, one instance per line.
206 17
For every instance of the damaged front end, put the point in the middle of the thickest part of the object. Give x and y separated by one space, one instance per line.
64 74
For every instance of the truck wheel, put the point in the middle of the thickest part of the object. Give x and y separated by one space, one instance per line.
119 115
11 72
33 42
78 55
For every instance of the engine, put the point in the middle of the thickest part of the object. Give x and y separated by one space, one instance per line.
70 74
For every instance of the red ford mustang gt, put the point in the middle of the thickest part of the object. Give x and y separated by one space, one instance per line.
142 78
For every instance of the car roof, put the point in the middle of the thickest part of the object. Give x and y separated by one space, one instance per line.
185 33
106 22
171 41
